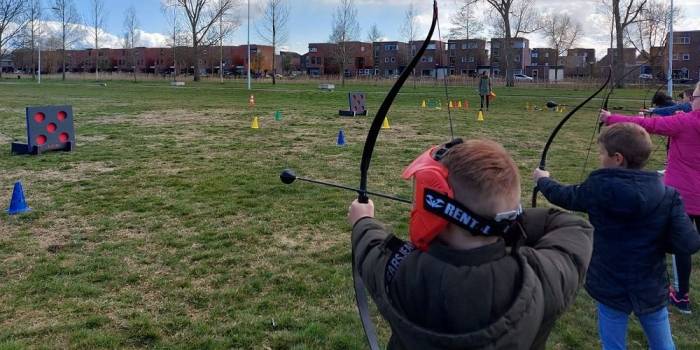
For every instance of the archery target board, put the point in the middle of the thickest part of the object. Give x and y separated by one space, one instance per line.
357 102
48 128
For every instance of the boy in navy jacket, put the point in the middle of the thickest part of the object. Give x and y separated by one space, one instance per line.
637 220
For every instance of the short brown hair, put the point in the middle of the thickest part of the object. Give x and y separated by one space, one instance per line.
483 166
630 140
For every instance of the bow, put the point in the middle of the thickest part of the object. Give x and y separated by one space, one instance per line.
360 295
543 158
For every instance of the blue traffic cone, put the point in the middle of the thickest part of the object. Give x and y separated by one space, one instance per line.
17 204
341 138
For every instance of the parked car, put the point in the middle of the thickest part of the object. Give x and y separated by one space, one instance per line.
645 76
522 77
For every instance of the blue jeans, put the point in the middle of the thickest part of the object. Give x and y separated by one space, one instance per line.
612 325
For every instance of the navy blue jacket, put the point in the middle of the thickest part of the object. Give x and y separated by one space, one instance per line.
636 220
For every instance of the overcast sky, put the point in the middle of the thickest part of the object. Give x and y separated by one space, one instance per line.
310 20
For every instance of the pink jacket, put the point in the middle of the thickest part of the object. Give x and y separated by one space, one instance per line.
683 170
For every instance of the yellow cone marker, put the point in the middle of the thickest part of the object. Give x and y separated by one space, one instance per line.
251 101
480 117
423 104
255 124
386 125
451 105
459 104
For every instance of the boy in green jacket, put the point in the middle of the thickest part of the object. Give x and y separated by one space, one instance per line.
479 272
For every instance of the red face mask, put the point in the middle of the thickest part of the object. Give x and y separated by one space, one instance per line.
426 173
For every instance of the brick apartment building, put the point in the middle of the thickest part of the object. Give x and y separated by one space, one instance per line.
579 62
288 62
686 56
630 57
520 53
545 64
390 57
320 59
323 58
466 56
434 58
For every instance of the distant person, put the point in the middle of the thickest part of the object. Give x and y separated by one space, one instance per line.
457 284
684 105
682 173
661 100
484 89
637 220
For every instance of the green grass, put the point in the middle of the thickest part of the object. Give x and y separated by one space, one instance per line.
168 226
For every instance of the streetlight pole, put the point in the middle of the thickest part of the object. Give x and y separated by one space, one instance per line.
669 77
38 45
249 45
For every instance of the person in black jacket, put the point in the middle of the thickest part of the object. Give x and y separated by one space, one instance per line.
469 278
637 220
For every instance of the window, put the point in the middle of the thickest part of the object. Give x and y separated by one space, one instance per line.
534 54
682 40
393 60
313 49
495 53
675 57
686 57
546 55
464 46
471 59
423 59
386 59
472 46
464 60
362 49
516 58
495 45
430 46
452 46
430 58
391 47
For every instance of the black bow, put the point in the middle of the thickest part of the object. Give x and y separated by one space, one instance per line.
360 295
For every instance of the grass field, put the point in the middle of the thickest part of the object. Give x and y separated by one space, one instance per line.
168 226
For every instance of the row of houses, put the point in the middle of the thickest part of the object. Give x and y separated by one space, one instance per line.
471 57
159 60
387 59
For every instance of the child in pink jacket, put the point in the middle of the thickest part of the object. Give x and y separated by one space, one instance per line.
682 173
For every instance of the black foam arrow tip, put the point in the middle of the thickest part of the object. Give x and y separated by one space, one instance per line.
288 176
551 104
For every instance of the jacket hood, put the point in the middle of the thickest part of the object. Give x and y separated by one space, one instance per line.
626 193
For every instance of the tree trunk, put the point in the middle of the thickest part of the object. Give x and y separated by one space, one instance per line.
221 62
508 50
0 57
195 55
620 64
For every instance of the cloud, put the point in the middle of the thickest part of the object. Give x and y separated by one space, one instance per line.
85 37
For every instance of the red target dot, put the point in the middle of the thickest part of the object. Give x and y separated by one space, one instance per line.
40 140
39 117
51 128
63 137
61 116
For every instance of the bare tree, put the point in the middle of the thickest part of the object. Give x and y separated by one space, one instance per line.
97 21
12 23
561 32
169 8
632 10
226 25
131 35
201 15
67 16
409 29
513 18
273 28
345 29
32 31
651 29
374 35
465 24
